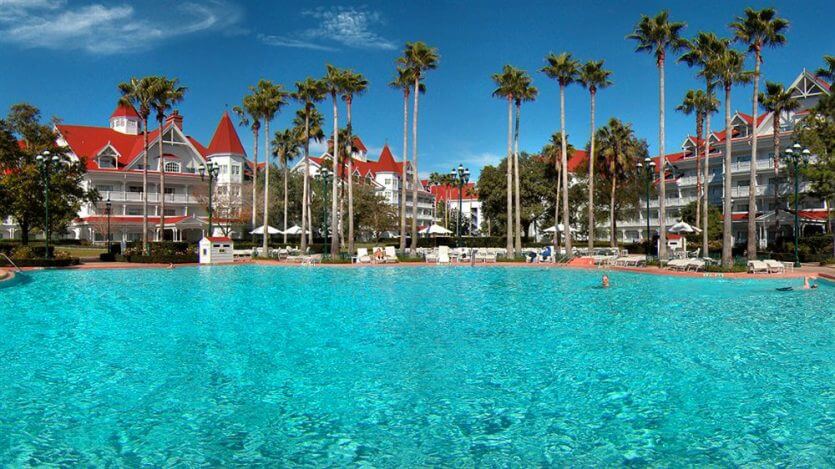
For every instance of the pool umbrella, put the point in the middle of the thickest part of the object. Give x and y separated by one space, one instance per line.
683 227
553 229
435 229
260 230
294 230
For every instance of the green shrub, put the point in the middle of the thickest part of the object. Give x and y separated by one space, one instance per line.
159 259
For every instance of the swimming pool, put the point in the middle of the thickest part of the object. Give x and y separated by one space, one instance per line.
413 366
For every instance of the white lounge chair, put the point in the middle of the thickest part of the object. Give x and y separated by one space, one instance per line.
775 267
432 256
695 265
391 255
362 256
677 264
443 255
755 267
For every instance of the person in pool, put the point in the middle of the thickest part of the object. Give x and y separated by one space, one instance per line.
605 281
807 285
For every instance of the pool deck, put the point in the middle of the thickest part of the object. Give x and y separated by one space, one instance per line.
827 272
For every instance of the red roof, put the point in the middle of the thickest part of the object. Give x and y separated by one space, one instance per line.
225 139
88 141
133 219
749 119
577 159
385 164
674 236
450 192
218 239
814 214
124 110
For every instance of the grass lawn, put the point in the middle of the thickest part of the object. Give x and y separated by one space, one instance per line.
81 251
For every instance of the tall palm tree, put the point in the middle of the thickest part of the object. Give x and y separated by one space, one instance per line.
700 51
553 152
249 114
404 81
136 92
525 91
286 146
618 151
355 84
827 72
564 69
418 58
309 122
756 29
334 82
698 103
656 35
777 100
506 88
166 93
726 64
593 77
308 93
273 98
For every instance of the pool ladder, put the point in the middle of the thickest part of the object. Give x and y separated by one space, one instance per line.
11 262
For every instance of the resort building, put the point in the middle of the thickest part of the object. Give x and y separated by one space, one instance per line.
384 175
115 160
447 201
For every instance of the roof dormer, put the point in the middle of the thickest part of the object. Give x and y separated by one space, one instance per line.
125 120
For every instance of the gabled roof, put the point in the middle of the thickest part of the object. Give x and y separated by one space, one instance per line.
225 139
124 110
450 192
577 159
385 164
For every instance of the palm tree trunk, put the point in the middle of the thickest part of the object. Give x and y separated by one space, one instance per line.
285 200
255 133
776 137
699 118
403 175
305 195
557 211
415 177
336 176
161 236
662 160
727 258
350 182
510 178
146 248
705 191
612 237
266 236
591 179
564 158
752 174
516 189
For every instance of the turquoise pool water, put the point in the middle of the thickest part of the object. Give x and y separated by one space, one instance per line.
413 367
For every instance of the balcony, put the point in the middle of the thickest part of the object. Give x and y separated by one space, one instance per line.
153 197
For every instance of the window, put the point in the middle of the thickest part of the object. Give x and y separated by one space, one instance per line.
224 169
135 189
104 187
172 167
169 190
170 212
236 169
743 183
134 210
106 161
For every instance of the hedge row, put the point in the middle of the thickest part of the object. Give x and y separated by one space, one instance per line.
159 259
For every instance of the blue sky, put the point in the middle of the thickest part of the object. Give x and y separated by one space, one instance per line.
67 57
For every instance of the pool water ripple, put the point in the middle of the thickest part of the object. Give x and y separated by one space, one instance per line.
413 367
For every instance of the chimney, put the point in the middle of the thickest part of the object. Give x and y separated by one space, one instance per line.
176 118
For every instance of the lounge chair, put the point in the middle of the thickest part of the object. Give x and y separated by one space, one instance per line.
695 265
775 267
443 255
391 255
362 256
312 259
678 264
755 267
432 256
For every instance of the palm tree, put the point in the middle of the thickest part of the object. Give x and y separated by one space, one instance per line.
757 28
308 93
698 103
506 87
166 93
777 100
404 82
827 73
564 69
525 91
553 152
273 98
355 84
699 53
137 93
618 149
593 77
656 35
417 58
249 114
726 64
334 83
287 144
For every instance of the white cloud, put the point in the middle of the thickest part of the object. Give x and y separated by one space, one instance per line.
346 26
101 29
318 148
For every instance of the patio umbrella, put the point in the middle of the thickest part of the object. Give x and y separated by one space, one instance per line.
294 230
683 227
555 228
260 230
435 229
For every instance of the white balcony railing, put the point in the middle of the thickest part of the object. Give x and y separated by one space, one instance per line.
119 196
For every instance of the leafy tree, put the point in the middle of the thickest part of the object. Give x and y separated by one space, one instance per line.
286 144
374 215
817 132
620 150
21 179
688 214
699 103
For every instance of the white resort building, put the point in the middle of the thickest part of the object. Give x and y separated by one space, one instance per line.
115 160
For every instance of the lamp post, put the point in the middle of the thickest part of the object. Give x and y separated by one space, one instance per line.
647 169
107 207
324 176
460 177
45 165
210 170
796 156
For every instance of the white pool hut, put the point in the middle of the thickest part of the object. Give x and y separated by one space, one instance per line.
216 250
